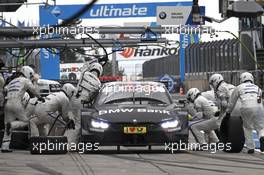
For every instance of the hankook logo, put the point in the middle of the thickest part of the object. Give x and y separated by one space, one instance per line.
131 52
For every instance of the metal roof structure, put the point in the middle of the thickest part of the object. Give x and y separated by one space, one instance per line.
10 5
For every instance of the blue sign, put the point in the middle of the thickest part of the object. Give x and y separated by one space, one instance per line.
49 58
185 40
167 78
50 15
128 10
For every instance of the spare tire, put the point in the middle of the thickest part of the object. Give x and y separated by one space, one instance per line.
232 134
19 138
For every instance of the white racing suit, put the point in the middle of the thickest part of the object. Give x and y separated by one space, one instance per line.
2 99
30 105
205 111
2 83
14 108
87 87
209 95
252 111
223 94
46 113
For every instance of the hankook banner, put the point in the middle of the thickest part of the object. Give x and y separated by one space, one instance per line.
146 53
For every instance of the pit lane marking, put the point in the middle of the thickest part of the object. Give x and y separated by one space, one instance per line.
81 164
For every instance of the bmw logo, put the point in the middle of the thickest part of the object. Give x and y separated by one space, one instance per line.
162 15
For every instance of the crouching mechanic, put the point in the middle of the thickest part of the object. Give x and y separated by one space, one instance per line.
252 111
205 113
55 103
14 108
223 93
87 88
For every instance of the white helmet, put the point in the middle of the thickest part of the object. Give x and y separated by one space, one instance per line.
87 64
93 65
192 94
69 89
97 67
246 76
215 80
27 71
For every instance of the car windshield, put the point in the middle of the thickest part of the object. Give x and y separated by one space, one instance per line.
134 94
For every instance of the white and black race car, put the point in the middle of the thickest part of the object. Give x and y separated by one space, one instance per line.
133 114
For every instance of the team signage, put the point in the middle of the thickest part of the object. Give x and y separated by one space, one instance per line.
128 10
175 15
169 80
70 71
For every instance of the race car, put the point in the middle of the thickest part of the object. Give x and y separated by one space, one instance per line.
133 114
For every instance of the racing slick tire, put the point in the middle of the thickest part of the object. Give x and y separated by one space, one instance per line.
48 145
19 140
231 132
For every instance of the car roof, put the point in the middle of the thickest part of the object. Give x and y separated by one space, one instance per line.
134 83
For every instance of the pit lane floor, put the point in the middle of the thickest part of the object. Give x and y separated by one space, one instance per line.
132 161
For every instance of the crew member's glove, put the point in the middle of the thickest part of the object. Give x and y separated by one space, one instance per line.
217 114
70 124
41 99
78 94
190 117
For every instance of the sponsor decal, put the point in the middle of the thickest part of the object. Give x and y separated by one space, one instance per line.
115 11
129 110
149 52
128 52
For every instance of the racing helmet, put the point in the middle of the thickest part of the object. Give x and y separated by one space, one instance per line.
93 65
27 71
68 89
88 63
246 76
192 94
215 80
97 67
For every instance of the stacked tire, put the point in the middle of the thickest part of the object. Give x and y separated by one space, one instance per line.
232 133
